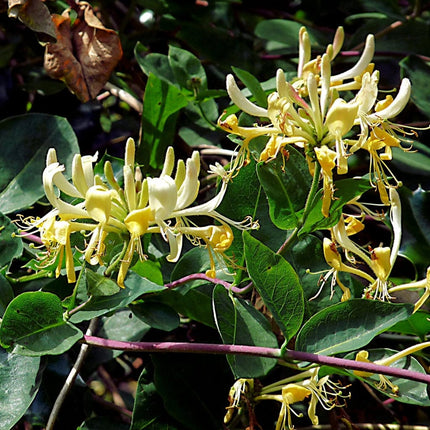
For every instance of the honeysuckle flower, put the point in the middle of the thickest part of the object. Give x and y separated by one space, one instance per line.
326 158
384 382
100 206
296 389
170 199
381 259
241 388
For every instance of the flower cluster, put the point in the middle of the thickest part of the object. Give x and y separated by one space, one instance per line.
310 112
100 206
379 260
287 392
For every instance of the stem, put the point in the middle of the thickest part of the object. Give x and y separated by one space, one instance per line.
204 277
70 378
256 351
112 266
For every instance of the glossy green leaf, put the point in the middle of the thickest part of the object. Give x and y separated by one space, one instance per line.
286 183
277 283
279 30
156 315
154 63
33 324
19 381
248 199
135 286
187 69
147 404
21 172
99 285
415 162
150 270
418 324
411 392
10 243
161 104
239 323
349 325
195 303
253 85
418 71
346 190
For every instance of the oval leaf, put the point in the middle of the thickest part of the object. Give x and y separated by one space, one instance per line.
238 323
349 325
33 324
33 134
277 283
286 184
19 381
10 243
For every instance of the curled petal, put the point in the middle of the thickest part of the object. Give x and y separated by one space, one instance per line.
398 104
241 101
362 63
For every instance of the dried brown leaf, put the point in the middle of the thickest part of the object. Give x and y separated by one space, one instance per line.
85 55
35 15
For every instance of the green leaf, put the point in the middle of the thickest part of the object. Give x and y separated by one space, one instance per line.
248 199
6 294
187 69
418 324
99 285
253 85
286 187
349 325
161 104
346 190
195 303
154 63
279 30
150 270
10 243
21 172
415 162
33 324
123 326
277 283
19 381
411 392
135 286
156 315
418 72
147 404
238 323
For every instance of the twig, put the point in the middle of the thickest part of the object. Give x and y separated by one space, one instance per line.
125 96
70 378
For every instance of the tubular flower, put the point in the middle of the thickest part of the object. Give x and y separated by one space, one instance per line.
380 260
297 388
100 206
310 112
170 200
384 382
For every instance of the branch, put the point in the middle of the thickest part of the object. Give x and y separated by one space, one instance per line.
256 351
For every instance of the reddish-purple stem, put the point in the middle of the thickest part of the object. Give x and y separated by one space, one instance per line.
204 277
258 351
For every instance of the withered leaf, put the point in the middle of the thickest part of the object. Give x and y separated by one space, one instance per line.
85 53
35 15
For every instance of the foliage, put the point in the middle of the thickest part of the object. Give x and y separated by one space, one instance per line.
233 215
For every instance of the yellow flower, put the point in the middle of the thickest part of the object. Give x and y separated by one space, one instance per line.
326 158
